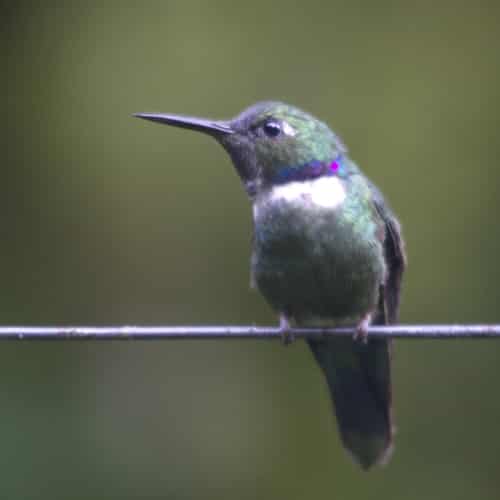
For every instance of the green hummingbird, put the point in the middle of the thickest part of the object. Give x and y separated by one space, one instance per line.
327 251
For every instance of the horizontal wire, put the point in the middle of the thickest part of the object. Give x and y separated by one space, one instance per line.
239 332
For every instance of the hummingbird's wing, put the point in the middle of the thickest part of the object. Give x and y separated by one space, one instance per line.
395 258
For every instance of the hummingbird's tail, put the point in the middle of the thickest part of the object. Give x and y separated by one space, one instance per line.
359 380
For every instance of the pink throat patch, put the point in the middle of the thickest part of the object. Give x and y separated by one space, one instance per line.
334 166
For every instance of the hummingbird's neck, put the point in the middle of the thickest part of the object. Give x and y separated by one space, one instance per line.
310 170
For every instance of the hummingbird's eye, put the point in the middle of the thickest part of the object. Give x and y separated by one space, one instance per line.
272 128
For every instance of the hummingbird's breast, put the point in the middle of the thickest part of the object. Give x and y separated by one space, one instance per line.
317 249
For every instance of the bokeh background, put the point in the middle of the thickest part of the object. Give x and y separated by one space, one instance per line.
106 219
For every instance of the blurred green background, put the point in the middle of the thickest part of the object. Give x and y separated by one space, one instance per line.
106 219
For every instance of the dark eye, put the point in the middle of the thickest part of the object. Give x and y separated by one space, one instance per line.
272 128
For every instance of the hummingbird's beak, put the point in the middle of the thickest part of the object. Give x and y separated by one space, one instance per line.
211 127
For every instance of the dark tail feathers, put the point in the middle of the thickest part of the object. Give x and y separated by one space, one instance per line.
359 380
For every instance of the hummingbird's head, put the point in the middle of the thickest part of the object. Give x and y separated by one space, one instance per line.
270 143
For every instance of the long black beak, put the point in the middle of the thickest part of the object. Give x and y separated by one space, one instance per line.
211 127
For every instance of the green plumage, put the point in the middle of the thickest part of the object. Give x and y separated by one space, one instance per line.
320 267
327 251
312 262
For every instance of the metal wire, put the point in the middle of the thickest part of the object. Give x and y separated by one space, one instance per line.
238 332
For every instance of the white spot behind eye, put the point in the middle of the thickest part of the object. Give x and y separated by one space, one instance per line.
288 129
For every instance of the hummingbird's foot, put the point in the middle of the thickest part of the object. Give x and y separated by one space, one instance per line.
287 337
361 333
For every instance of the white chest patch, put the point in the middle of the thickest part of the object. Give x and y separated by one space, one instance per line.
325 192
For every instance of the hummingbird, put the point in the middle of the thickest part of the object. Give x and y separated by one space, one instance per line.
327 251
